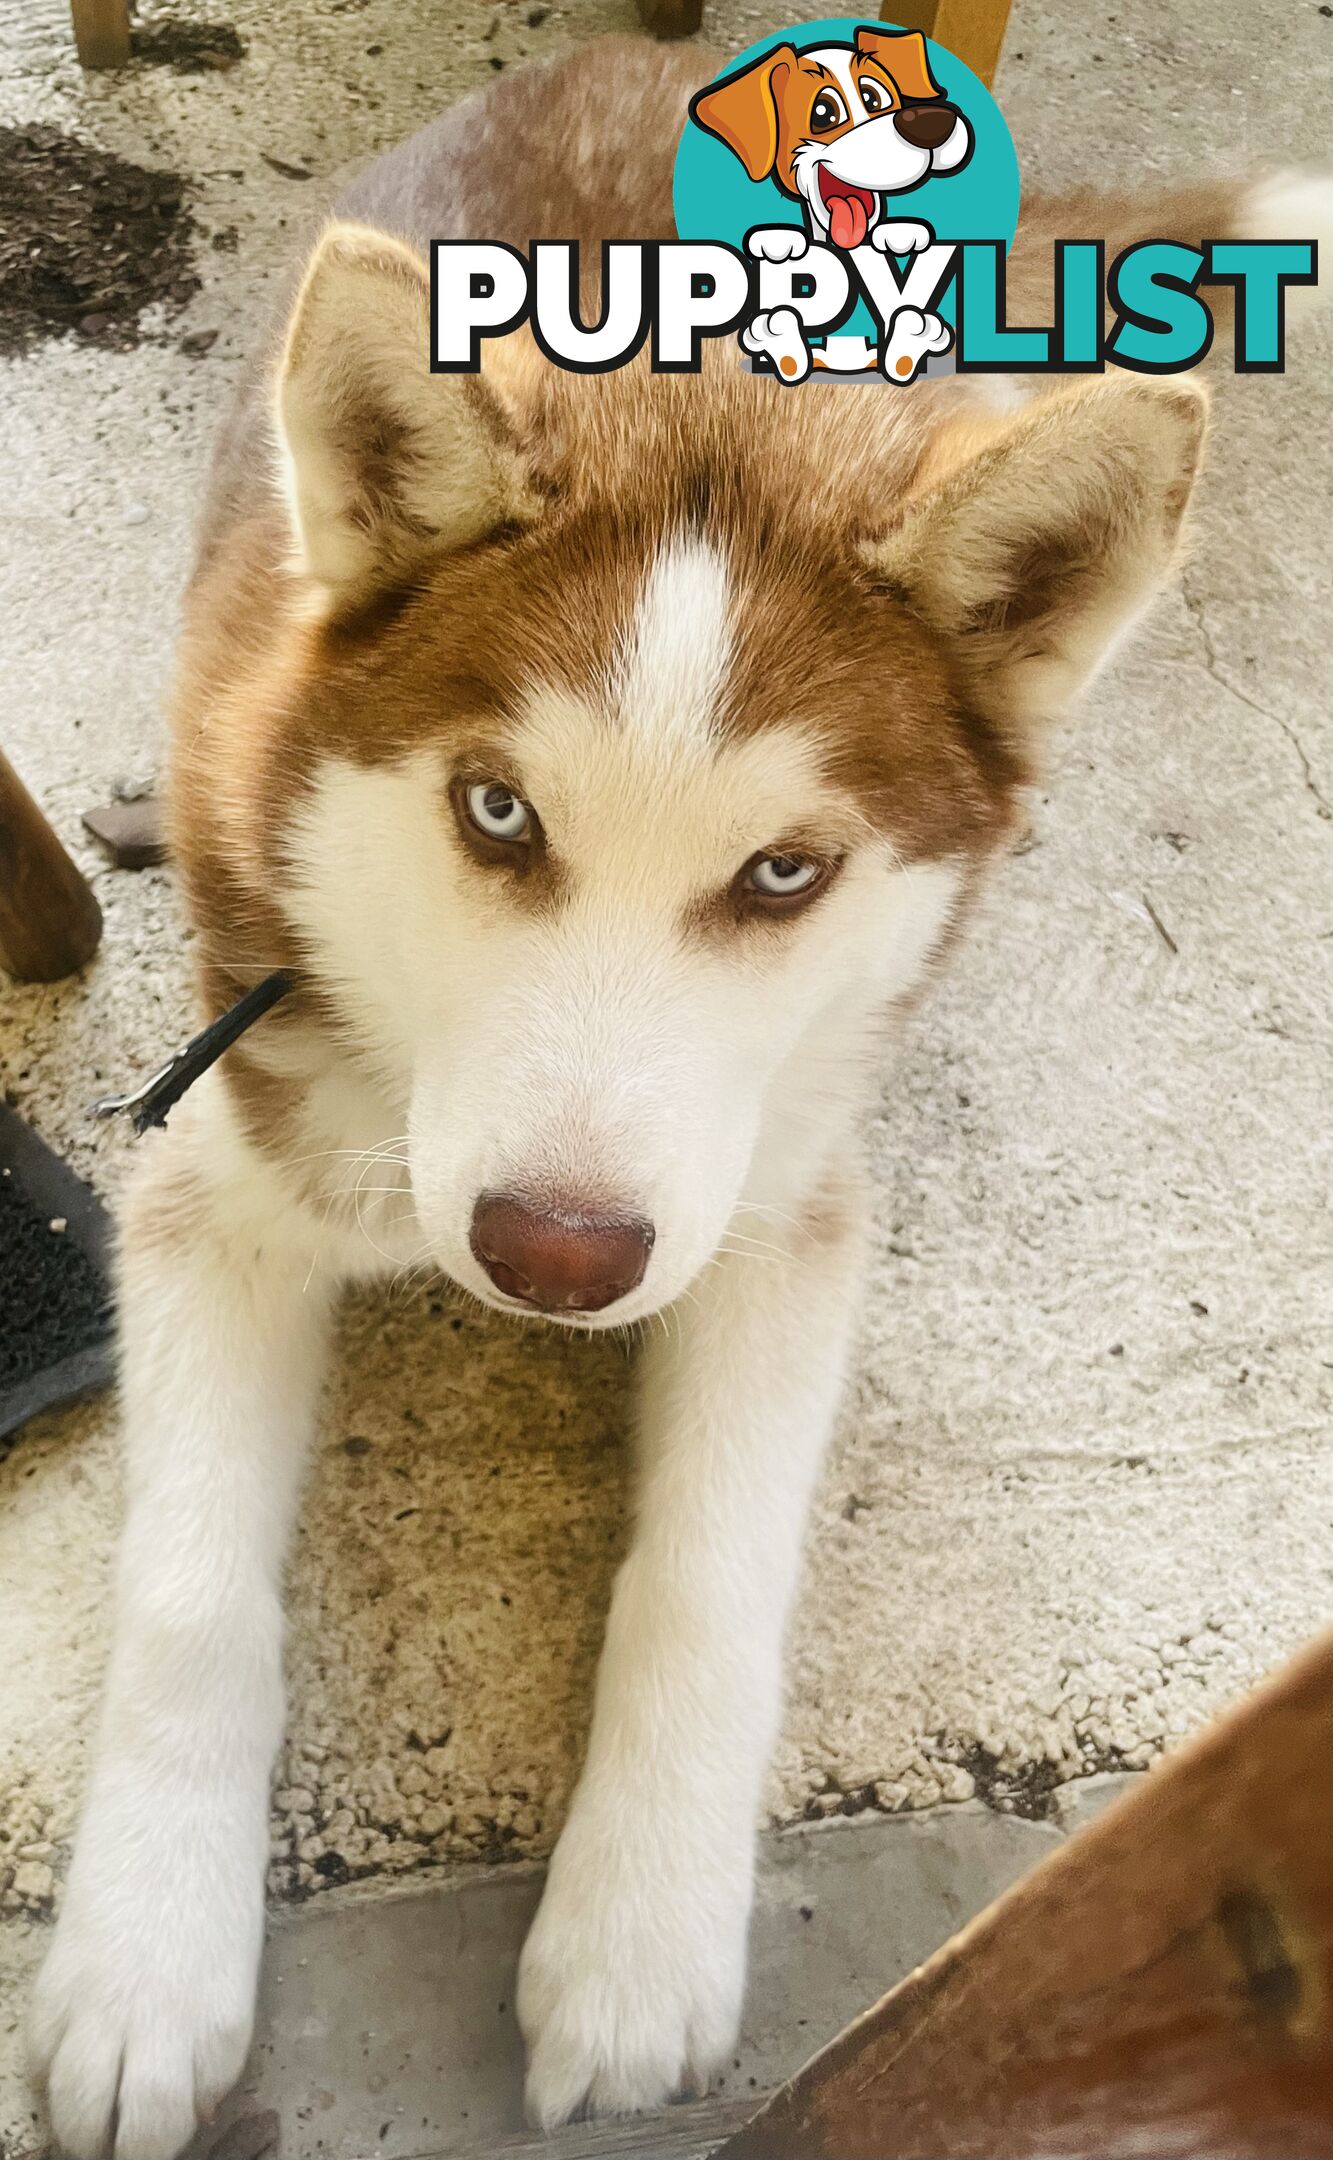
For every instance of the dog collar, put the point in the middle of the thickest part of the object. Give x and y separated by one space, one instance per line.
150 1104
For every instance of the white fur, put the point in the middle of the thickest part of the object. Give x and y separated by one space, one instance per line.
1293 206
143 2010
671 671
600 1048
631 1980
636 1056
628 1043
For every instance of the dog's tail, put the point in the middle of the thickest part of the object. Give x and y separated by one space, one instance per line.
1291 205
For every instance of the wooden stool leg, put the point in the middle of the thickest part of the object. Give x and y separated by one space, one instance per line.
671 18
49 920
971 29
102 32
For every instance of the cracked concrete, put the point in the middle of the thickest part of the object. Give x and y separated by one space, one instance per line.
1198 616
1081 1494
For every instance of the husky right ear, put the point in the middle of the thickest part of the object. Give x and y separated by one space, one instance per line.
1031 542
742 111
386 464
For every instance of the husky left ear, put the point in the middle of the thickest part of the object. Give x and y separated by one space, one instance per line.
1030 550
386 463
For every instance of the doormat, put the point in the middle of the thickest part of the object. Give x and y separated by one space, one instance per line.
55 1298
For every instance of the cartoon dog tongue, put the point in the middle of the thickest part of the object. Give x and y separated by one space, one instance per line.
847 221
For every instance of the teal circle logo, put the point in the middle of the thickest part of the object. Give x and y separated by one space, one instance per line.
846 129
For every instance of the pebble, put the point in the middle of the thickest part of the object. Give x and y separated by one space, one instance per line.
137 514
890 1795
34 1883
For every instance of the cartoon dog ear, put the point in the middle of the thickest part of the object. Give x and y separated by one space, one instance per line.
742 111
903 54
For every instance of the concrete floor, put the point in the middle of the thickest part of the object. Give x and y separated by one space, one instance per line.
387 2028
1082 1492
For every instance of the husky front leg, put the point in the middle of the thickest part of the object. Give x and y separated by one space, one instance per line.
143 2010
631 1980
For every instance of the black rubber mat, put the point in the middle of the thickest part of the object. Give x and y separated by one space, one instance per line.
55 1303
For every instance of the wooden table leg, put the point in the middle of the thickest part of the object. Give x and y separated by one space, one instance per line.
671 18
971 29
50 922
102 32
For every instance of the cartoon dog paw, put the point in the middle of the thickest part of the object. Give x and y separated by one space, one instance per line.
777 243
779 337
912 337
902 236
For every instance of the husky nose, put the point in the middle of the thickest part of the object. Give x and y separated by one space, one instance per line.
560 1260
925 127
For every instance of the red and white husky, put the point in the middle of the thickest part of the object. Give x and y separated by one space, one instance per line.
613 759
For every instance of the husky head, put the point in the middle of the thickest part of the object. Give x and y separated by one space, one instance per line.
636 746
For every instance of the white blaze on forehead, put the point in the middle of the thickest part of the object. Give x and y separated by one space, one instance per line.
838 60
669 676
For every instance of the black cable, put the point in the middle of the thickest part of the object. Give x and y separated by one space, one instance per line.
151 1103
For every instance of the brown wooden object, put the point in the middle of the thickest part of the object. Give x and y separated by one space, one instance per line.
49 920
1158 1987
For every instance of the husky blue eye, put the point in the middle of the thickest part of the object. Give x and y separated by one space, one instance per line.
778 877
496 811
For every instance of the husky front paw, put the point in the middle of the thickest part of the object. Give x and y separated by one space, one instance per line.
629 1989
143 2011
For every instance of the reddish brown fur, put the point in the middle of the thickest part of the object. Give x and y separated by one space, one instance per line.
788 484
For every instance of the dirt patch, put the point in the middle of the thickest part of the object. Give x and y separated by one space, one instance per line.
87 241
188 48
1030 1789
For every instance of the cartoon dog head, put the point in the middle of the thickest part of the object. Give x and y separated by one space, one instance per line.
840 126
